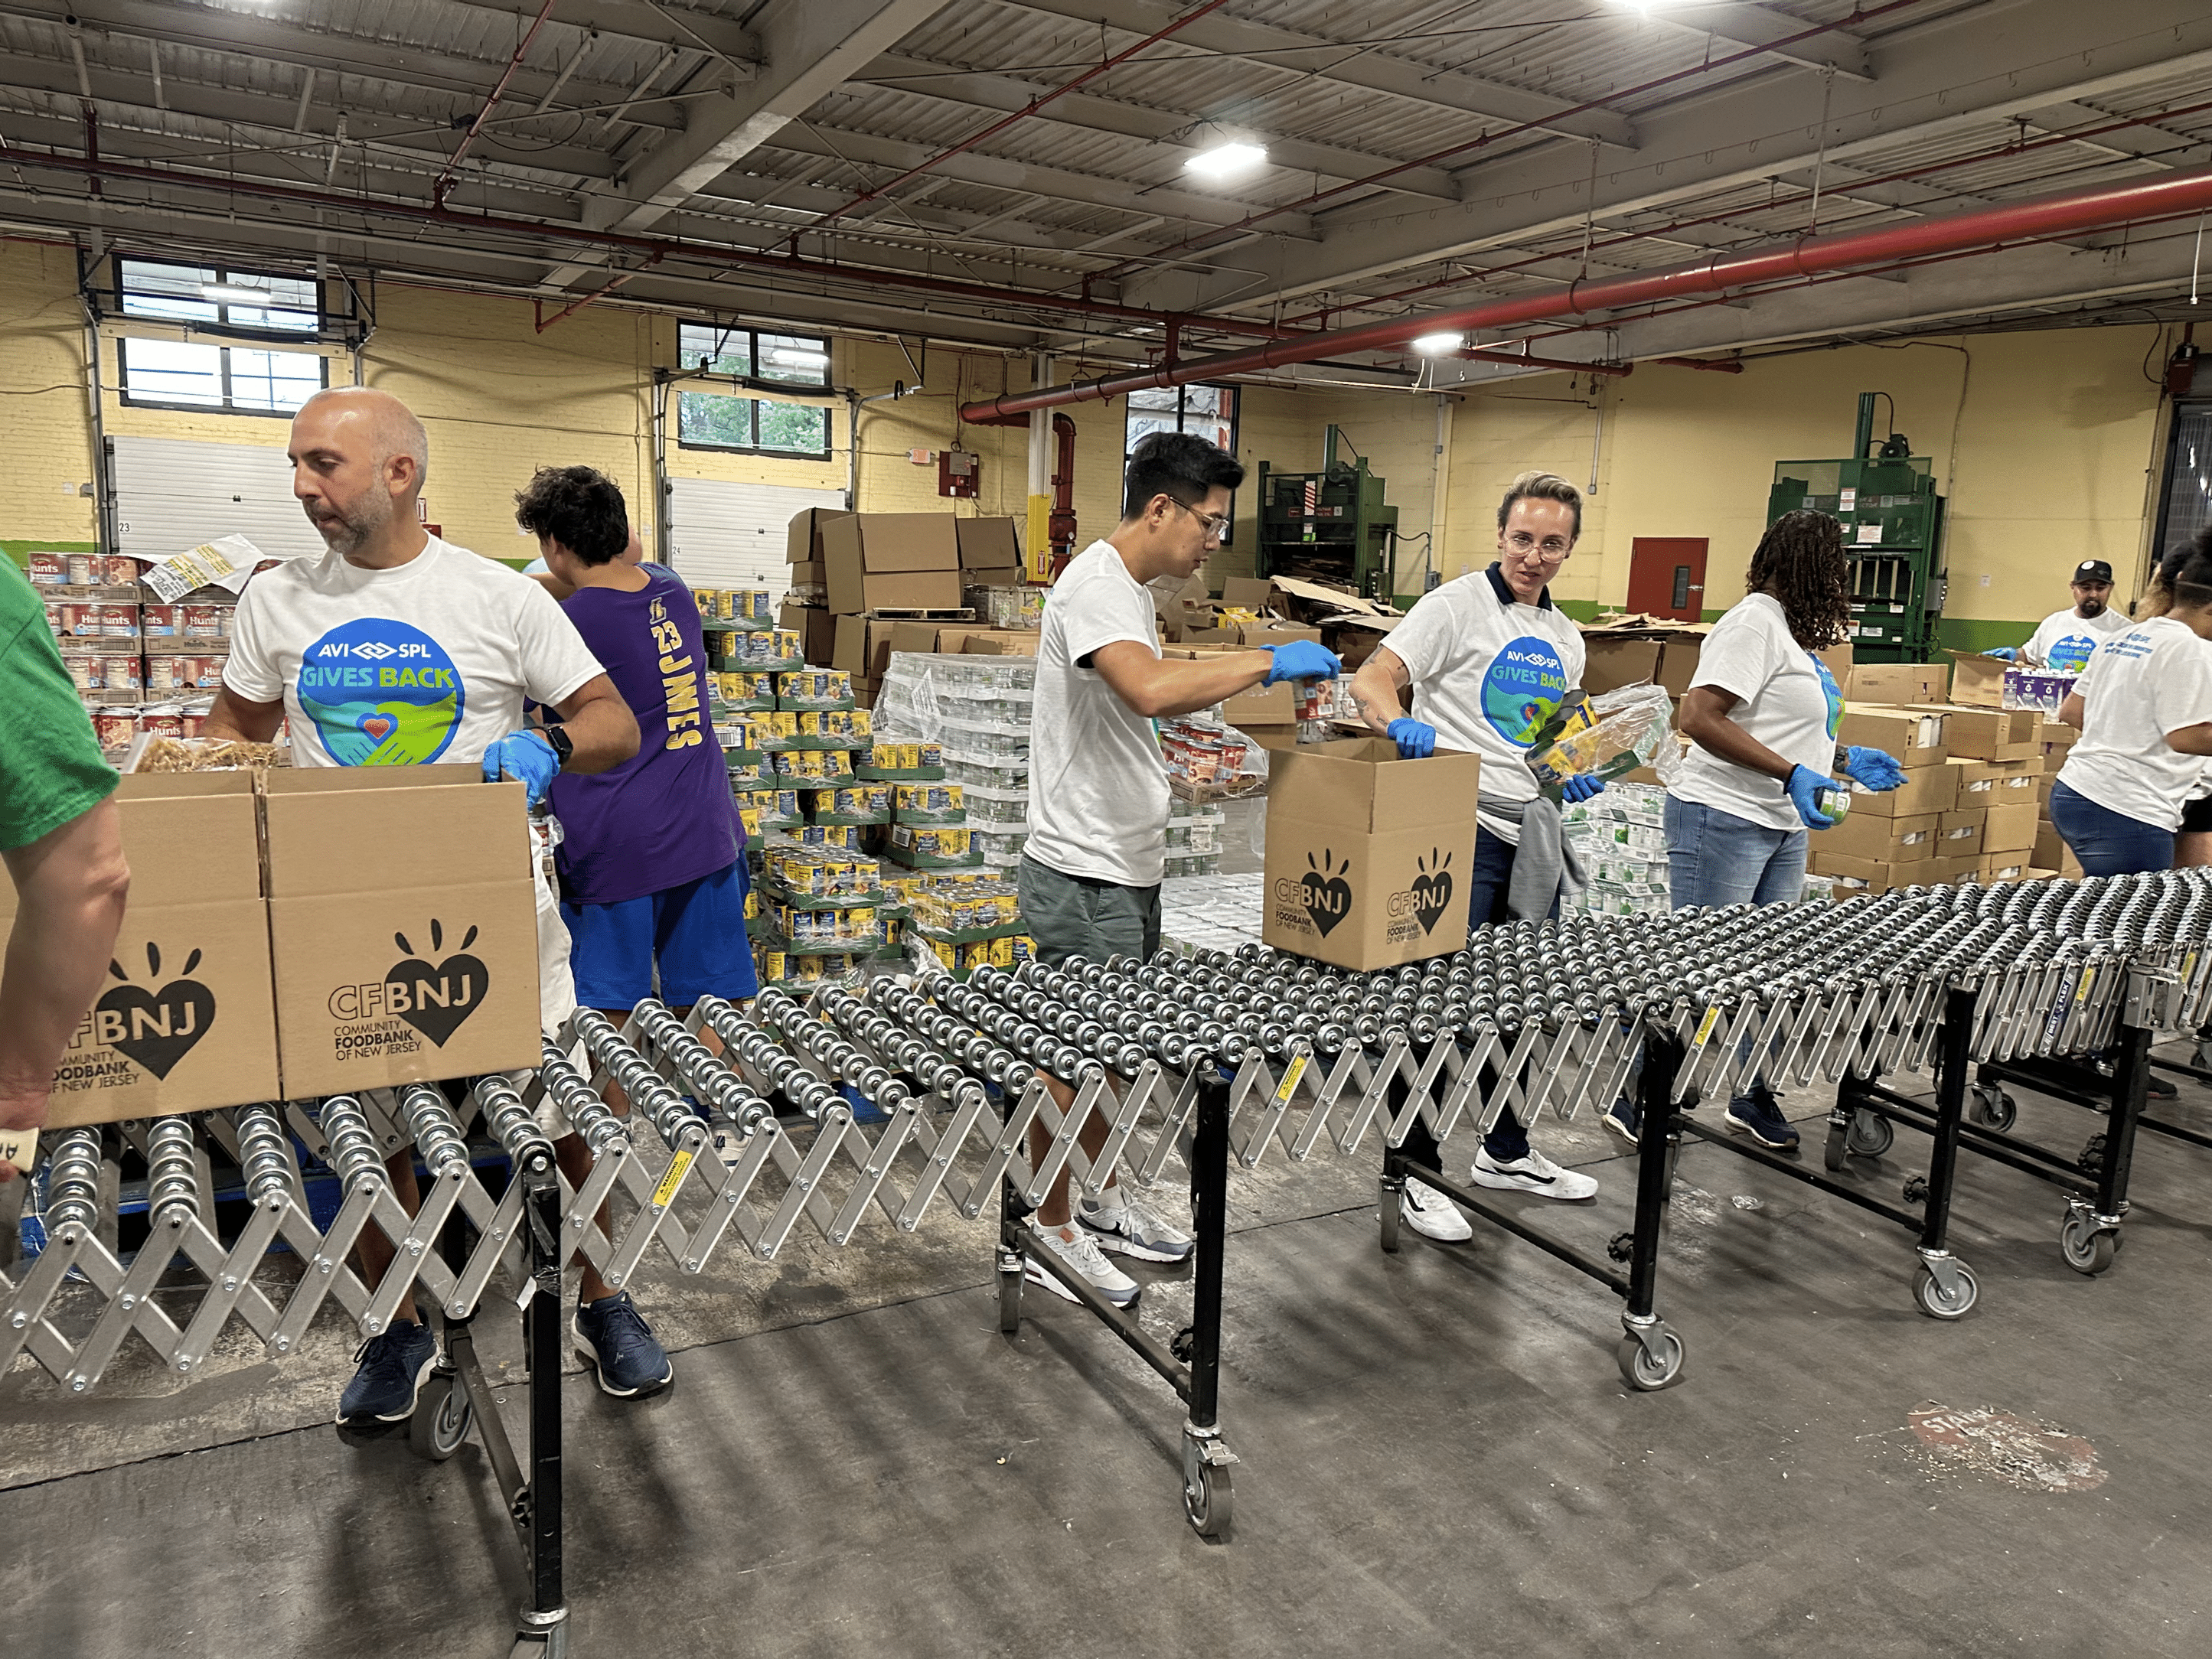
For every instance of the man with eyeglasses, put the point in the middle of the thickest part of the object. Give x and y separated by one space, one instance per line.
1098 789
1488 658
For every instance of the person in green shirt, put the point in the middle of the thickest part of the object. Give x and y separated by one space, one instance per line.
62 840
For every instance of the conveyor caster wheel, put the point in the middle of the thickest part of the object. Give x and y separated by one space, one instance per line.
1389 1210
1206 1501
2089 1247
442 1416
1832 1153
1010 1294
1938 1303
1871 1134
1993 1107
2092 1161
1646 1372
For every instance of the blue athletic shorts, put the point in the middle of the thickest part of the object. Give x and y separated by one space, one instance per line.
695 933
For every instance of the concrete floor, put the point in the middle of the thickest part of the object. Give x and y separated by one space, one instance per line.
1437 1450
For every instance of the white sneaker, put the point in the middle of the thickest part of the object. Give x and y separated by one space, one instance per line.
1432 1215
1134 1229
1081 1253
1532 1174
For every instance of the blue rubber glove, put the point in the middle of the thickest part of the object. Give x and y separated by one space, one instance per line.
1879 771
527 758
2004 653
1802 782
1416 739
1302 659
1581 786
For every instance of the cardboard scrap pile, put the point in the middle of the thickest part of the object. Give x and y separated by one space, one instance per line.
1254 612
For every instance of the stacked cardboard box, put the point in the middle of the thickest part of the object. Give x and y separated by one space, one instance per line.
141 665
878 570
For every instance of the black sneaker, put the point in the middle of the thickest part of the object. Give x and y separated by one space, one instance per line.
1757 1116
393 1367
1625 1121
613 1335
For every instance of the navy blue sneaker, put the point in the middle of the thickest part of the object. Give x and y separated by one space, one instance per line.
1757 1116
1625 1121
613 1335
393 1367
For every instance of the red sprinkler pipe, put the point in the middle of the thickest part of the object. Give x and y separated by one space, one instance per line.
446 181
2176 195
1060 524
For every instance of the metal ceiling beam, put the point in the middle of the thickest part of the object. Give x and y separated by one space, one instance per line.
1093 113
1959 75
2154 146
631 19
1312 54
1732 23
141 23
1092 190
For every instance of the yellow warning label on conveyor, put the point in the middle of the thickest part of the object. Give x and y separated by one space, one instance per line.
1706 1026
1288 1086
670 1182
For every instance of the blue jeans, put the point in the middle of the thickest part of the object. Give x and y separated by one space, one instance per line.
1716 858
2108 844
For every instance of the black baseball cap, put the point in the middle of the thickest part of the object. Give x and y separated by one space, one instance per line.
2094 570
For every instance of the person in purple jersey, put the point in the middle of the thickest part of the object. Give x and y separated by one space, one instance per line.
651 858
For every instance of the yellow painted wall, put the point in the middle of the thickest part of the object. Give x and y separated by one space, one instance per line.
2051 463
42 382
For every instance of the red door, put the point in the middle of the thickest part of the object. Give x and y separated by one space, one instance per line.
1667 576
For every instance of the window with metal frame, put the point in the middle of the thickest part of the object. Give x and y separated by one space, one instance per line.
2186 506
712 419
202 374
1209 411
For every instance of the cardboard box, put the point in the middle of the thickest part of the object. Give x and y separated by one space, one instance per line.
185 1019
2010 830
1886 840
802 541
1367 854
2000 867
1960 833
1261 637
402 925
816 630
1896 683
1248 592
2052 854
1978 681
1263 705
892 562
864 645
987 544
1002 642
1925 789
1994 734
1995 783
994 576
1874 876
2057 739
1610 664
1911 737
1839 659
1678 664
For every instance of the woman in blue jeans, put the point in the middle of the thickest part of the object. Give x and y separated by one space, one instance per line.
2143 706
1761 714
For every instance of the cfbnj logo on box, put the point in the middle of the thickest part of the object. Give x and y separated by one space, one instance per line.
151 1028
433 1000
1325 895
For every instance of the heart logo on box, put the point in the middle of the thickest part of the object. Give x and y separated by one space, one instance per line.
438 999
1432 889
155 1030
377 727
1328 894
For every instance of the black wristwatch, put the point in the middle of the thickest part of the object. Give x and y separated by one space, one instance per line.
563 745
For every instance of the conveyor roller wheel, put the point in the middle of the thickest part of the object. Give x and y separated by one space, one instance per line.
443 1415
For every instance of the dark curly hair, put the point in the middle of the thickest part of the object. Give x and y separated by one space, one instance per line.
579 506
1801 562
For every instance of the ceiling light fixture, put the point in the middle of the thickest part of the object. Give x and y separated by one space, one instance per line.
1226 160
235 294
1438 345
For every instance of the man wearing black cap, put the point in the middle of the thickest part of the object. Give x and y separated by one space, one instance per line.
2068 639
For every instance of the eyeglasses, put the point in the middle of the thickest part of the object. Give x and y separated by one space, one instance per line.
1215 525
1552 547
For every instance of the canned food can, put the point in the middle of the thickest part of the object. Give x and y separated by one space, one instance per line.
84 569
162 622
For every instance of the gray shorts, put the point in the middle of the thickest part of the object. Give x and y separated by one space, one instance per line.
1083 917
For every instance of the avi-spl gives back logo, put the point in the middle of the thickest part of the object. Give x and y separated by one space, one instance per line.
381 693
154 1029
433 1000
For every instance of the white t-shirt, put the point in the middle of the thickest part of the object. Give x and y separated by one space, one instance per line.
2066 640
428 661
2153 679
1487 671
1098 789
1786 698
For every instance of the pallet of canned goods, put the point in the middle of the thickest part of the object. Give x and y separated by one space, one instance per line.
814 688
897 759
928 803
849 804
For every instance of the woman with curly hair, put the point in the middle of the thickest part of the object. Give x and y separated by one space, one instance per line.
1761 714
